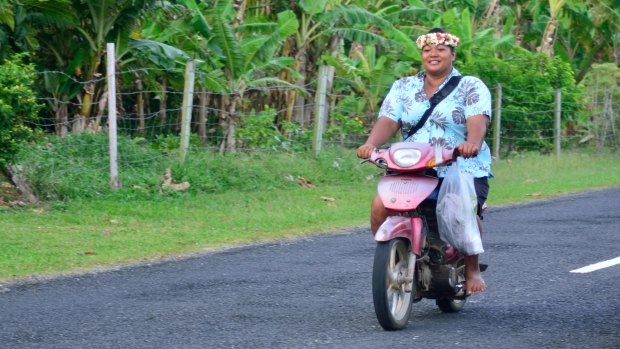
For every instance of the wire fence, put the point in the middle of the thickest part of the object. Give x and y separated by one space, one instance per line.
311 116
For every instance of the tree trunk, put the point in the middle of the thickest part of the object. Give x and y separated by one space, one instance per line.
80 120
548 37
298 109
162 104
230 136
103 101
62 118
203 100
239 6
224 120
140 107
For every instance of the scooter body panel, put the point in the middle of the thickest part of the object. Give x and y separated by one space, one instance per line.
404 192
409 228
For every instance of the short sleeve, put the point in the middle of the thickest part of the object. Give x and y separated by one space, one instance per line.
391 106
477 97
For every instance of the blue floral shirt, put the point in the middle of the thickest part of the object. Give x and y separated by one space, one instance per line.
406 103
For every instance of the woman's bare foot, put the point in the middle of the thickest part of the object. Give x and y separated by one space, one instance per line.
474 283
473 280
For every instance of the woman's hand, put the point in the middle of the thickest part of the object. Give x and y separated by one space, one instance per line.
383 130
467 150
476 130
365 150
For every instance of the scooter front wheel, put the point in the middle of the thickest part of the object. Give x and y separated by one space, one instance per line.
391 286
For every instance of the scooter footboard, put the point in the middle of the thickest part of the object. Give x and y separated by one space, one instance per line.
409 228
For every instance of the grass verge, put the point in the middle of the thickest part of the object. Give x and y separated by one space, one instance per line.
84 234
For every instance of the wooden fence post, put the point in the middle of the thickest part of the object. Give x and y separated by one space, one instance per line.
320 108
497 121
558 127
186 109
113 148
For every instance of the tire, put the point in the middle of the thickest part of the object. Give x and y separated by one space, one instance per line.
447 305
450 305
392 301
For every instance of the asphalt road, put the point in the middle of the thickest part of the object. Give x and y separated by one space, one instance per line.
316 293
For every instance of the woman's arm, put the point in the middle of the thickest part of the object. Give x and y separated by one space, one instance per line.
476 131
383 130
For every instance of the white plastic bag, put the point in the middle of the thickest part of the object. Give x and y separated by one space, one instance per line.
456 212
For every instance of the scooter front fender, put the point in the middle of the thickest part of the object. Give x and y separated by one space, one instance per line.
409 228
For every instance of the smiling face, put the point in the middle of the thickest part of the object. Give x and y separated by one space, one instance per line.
437 59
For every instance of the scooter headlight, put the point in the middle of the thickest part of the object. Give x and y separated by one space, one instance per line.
406 157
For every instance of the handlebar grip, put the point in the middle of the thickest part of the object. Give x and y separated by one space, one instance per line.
455 154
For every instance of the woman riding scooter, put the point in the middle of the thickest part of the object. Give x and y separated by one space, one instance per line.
459 121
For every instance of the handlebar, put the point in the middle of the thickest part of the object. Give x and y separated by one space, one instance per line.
428 156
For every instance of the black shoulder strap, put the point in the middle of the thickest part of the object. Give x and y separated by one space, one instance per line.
435 99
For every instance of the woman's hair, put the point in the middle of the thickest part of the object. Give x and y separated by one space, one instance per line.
437 30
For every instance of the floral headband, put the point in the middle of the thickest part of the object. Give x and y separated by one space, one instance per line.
437 39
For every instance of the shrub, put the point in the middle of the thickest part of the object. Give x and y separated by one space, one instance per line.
18 106
528 84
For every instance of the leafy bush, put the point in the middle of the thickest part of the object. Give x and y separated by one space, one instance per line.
346 129
528 84
258 131
18 106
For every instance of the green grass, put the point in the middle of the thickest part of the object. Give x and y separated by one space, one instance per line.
84 234
535 176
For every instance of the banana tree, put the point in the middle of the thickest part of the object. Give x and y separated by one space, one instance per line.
548 38
590 34
247 55
368 75
323 24
100 22
22 22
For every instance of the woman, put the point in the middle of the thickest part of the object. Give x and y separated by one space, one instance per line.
459 121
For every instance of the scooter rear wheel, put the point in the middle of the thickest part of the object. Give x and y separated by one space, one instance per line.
390 289
448 305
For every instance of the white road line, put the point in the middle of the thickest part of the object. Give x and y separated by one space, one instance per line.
596 266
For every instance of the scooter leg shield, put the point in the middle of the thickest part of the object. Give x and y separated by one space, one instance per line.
409 228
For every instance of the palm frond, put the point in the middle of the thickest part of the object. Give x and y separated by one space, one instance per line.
361 36
199 22
265 47
345 67
213 79
158 53
274 82
408 46
261 27
230 47
353 15
52 12
273 65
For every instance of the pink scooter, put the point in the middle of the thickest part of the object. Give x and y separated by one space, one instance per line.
411 261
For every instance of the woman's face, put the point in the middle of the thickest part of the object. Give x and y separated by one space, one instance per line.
437 59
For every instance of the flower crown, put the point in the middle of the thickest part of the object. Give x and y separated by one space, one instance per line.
437 39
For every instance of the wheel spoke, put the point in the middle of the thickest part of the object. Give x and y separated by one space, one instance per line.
392 279
394 302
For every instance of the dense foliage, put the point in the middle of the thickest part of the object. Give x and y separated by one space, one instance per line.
18 106
528 86
257 64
